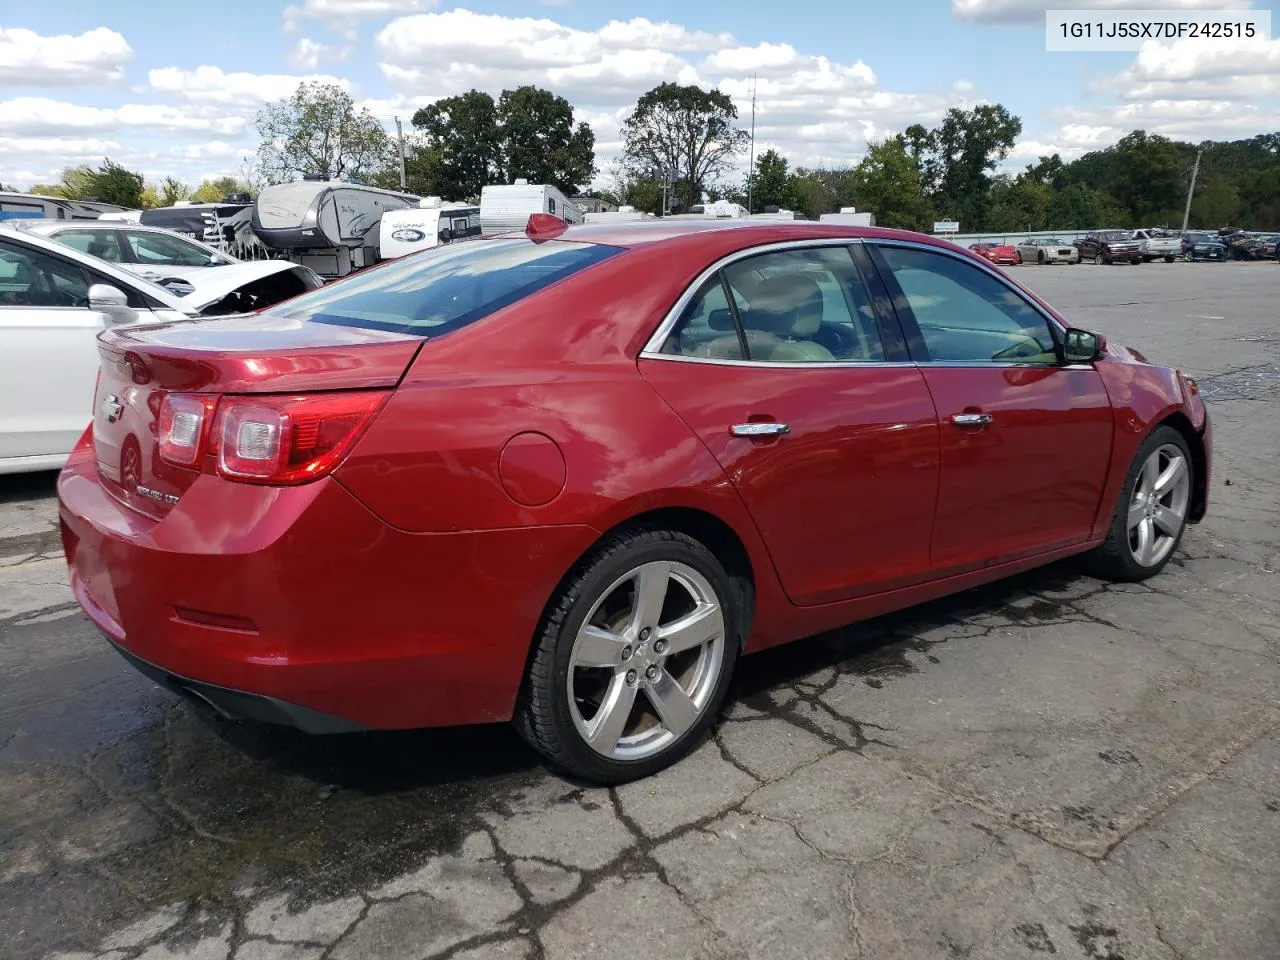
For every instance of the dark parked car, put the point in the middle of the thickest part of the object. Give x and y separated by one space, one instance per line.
1109 246
1203 246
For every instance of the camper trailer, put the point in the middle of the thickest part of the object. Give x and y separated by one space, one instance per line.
625 214
32 206
225 226
429 224
849 217
330 226
507 207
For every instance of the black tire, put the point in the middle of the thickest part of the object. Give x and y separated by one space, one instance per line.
1168 259
1040 258
1113 559
543 713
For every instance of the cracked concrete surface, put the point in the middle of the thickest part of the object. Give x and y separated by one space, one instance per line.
1048 766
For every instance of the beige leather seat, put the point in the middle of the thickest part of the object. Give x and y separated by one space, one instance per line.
785 313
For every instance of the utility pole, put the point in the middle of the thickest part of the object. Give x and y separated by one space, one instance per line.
400 138
1186 214
751 164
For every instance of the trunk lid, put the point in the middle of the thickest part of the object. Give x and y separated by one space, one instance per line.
140 364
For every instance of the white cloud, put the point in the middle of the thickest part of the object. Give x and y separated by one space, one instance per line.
93 58
639 33
342 16
206 84
1195 70
38 116
307 53
1032 11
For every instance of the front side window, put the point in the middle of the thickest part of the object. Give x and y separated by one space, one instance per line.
447 287
159 249
806 305
97 243
31 278
967 315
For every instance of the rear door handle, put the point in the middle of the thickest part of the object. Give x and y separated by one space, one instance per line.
971 419
759 429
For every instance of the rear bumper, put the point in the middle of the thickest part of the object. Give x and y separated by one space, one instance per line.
301 605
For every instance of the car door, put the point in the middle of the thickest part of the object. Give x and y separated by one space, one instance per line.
1025 440
781 363
48 352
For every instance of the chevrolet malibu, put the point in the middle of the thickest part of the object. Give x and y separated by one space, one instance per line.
567 477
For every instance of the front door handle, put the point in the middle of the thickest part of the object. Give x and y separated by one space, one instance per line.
971 419
759 429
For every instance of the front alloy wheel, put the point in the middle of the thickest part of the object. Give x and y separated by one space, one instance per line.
1151 512
633 659
1158 507
1099 259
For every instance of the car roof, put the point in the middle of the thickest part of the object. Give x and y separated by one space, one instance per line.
56 226
752 232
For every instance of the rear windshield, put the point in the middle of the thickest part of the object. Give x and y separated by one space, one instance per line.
448 287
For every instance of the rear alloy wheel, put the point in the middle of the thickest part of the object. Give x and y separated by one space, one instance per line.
634 660
1151 514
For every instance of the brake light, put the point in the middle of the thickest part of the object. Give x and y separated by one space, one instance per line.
184 424
288 440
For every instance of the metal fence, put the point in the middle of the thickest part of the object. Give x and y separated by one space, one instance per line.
964 239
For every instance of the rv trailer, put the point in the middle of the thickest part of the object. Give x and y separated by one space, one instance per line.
849 217
429 224
506 208
330 226
33 206
225 226
625 214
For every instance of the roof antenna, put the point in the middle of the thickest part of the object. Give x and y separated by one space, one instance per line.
751 164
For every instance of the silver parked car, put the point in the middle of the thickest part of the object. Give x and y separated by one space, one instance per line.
1042 250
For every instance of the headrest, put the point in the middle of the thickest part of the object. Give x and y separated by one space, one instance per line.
788 304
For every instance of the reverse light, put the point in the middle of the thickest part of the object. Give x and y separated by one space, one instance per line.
289 440
184 422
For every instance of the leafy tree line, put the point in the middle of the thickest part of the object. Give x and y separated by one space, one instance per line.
682 144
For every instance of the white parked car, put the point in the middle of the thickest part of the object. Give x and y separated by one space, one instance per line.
1042 250
181 264
54 300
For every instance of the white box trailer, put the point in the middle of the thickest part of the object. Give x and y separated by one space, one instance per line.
506 208
849 217
429 224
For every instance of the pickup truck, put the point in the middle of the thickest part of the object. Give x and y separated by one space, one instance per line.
1155 245
1108 246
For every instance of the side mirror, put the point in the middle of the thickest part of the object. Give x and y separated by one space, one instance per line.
1082 346
104 296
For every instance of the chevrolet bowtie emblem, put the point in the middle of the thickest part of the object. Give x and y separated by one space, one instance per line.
112 407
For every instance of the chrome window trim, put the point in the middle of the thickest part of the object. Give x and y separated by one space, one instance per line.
652 348
855 364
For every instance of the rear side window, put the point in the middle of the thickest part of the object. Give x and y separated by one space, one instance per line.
97 243
447 287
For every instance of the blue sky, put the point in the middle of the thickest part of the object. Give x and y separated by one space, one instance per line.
81 79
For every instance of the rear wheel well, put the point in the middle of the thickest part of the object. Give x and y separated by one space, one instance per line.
1195 443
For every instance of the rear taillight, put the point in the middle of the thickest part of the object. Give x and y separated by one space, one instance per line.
184 426
266 439
286 440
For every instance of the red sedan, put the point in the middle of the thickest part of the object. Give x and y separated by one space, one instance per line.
568 477
1006 253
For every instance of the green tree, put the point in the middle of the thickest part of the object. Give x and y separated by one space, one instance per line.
1020 203
112 183
464 143
683 134
217 189
819 190
171 190
772 185
887 183
1081 207
1149 176
319 130
538 140
956 157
